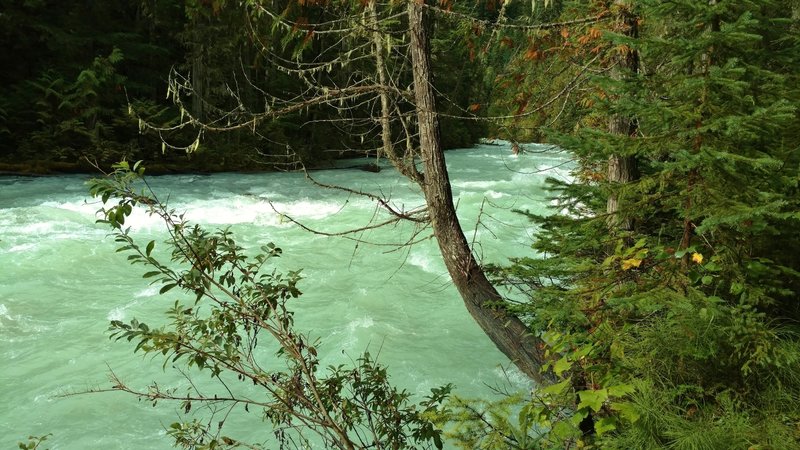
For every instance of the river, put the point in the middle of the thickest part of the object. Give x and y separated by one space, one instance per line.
62 282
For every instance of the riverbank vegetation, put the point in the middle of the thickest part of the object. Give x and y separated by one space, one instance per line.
659 305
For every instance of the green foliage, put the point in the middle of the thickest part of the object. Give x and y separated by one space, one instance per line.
67 88
234 324
76 115
679 331
480 424
71 95
34 442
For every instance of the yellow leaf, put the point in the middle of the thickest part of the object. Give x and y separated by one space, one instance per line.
697 257
628 264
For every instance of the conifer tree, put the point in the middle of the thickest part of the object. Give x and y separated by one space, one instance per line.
684 328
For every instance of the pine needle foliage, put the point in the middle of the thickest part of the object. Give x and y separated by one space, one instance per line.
681 330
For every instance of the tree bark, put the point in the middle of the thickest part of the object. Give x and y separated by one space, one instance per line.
484 303
622 169
380 68
199 77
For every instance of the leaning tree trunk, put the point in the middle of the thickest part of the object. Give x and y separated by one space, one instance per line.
507 331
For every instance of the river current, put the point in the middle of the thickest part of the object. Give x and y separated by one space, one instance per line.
62 282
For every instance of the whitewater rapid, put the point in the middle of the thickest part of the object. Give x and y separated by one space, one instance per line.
62 282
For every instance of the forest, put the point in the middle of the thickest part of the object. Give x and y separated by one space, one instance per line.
658 305
80 75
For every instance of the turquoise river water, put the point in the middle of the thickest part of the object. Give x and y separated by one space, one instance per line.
62 282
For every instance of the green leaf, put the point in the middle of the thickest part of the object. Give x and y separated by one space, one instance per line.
166 288
555 389
593 399
149 248
620 390
563 430
119 216
582 352
605 425
561 366
626 410
577 417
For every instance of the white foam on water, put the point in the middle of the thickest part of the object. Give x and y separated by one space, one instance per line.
21 248
120 312
349 342
52 395
151 291
233 210
477 185
258 192
395 330
364 322
140 220
422 385
256 210
480 155
85 208
559 171
557 203
565 211
495 194
7 320
309 209
33 228
423 261
512 376
21 327
117 313
50 219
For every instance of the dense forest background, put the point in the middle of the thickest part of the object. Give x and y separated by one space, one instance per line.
79 76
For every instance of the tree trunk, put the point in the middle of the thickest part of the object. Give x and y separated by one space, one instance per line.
622 169
380 68
200 83
507 331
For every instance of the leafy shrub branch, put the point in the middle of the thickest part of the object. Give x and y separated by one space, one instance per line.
235 325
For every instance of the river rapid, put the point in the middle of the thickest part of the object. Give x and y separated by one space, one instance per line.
62 282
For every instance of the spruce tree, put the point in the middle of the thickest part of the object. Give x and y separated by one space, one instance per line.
684 328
